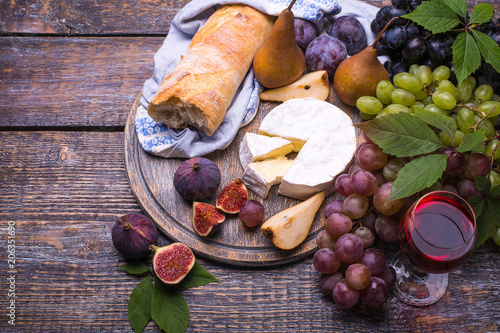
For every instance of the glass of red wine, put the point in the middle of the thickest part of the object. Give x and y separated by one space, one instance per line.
437 235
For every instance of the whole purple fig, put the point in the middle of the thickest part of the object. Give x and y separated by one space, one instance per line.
197 179
133 234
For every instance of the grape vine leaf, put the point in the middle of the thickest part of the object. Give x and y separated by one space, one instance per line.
488 48
401 135
417 175
481 13
169 308
442 122
493 210
139 305
466 56
483 227
197 276
435 16
471 140
458 6
483 184
135 268
495 191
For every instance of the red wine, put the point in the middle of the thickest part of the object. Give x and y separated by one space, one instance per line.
438 234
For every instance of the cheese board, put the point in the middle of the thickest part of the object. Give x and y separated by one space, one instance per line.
151 181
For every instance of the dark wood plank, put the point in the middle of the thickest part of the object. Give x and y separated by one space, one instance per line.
64 191
72 82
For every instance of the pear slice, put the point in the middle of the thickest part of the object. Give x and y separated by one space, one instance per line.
288 228
314 84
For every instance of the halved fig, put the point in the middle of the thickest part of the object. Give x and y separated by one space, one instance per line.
207 219
232 197
197 178
173 262
132 234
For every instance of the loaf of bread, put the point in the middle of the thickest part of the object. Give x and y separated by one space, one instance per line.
200 89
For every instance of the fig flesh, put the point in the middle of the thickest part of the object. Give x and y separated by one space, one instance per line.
197 179
207 219
232 197
132 235
173 262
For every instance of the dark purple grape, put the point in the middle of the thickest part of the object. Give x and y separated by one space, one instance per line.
350 31
355 206
376 294
401 3
338 224
324 240
381 203
467 188
379 17
349 248
375 28
383 50
388 275
398 67
396 37
305 32
476 164
364 182
343 185
413 50
371 157
437 49
369 220
454 160
334 206
374 259
252 213
328 281
392 12
414 4
325 53
326 261
412 30
344 295
386 227
366 235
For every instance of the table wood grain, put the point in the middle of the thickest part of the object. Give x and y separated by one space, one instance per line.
69 74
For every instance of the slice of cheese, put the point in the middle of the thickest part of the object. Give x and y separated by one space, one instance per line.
261 176
324 136
255 147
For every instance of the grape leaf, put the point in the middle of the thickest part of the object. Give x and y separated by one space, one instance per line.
483 184
401 135
471 140
442 122
458 6
493 211
482 13
495 191
477 204
435 16
466 56
135 268
139 305
417 175
484 229
197 276
169 308
488 48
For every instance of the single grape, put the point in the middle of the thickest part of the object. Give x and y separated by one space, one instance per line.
381 203
326 261
392 12
493 145
358 276
325 53
369 105
483 93
386 227
392 168
437 49
376 294
369 220
467 188
379 17
363 182
345 296
349 248
403 97
334 206
414 49
485 126
338 224
350 31
396 37
251 213
494 178
441 73
371 157
413 69
491 108
476 164
424 74
465 120
465 88
355 206
343 185
435 109
366 235
444 99
374 259
396 108
408 82
375 28
454 160
328 281
383 91
388 275
324 240
448 86
401 3
413 30
305 32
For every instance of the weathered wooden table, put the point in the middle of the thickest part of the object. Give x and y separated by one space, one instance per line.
69 74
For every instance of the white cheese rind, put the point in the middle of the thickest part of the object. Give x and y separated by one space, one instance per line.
325 137
261 176
255 147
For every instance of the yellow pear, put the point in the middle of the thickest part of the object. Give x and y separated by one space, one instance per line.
280 61
314 85
288 228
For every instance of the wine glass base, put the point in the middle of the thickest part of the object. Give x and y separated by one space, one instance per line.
415 287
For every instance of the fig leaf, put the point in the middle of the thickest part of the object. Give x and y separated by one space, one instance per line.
135 268
197 277
169 309
139 305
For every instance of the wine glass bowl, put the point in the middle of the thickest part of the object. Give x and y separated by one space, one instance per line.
437 235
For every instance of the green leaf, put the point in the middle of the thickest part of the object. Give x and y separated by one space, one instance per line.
471 140
135 268
442 122
458 6
169 308
401 135
483 184
493 211
139 305
495 191
483 226
435 16
466 56
417 175
477 204
197 276
482 13
488 48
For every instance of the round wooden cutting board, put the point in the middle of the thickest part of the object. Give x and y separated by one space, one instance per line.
151 181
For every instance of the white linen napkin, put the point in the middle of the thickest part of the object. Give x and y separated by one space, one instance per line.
158 139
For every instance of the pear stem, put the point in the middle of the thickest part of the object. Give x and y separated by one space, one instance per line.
291 4
383 30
